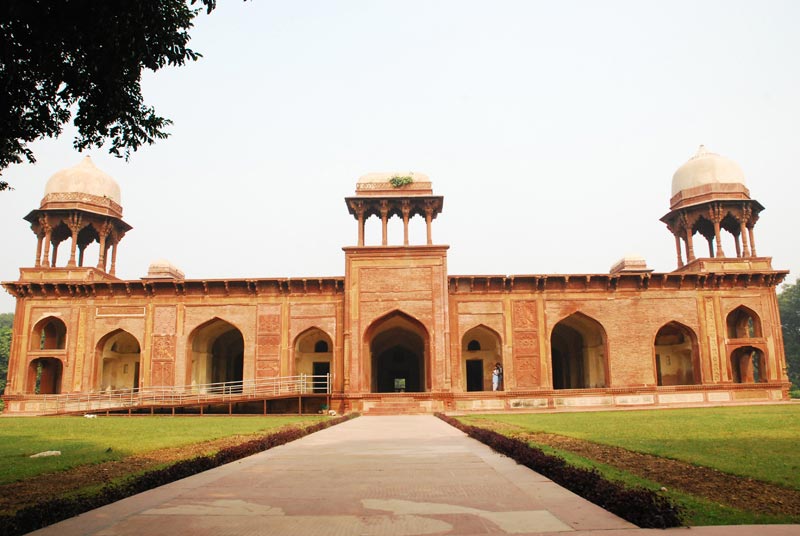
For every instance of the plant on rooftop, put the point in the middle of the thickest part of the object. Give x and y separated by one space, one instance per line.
399 181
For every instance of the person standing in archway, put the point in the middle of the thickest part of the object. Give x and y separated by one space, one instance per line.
497 377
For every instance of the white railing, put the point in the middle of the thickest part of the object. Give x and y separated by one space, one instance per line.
207 393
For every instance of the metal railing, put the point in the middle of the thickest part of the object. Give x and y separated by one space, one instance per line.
207 393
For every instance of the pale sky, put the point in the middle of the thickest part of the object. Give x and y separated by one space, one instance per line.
552 129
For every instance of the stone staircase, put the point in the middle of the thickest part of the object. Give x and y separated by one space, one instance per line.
397 406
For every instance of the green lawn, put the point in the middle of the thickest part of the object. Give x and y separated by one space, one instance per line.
760 442
84 441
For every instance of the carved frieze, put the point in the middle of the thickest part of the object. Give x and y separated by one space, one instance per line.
164 347
164 320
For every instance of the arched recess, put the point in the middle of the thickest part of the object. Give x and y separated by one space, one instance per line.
399 348
216 356
313 356
118 355
676 355
743 323
578 353
49 333
748 365
481 348
44 376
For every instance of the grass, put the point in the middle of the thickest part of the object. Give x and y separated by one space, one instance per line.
88 441
759 442
697 511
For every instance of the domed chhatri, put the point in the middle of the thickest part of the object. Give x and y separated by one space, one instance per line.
84 179
708 174
708 196
81 204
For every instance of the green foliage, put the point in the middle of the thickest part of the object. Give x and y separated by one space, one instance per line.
696 511
59 56
789 304
398 182
85 441
6 323
757 441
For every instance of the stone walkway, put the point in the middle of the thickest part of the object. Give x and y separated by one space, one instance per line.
399 476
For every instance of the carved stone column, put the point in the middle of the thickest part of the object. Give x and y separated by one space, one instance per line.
689 245
105 229
359 209
47 236
406 208
715 211
74 225
746 213
384 222
678 250
39 240
428 220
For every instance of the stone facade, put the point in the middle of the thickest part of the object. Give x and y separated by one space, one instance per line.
398 329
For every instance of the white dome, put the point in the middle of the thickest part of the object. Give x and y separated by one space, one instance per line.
385 177
706 168
84 178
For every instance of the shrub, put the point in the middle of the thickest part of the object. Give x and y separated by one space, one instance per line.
642 507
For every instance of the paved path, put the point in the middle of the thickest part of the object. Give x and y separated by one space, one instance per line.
371 476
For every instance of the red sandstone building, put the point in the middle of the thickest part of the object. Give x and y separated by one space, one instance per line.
397 332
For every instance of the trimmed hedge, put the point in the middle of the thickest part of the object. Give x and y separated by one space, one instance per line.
642 507
52 511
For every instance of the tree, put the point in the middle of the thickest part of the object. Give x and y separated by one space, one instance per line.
789 304
86 57
6 323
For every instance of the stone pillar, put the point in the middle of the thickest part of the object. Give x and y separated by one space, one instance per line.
710 246
745 247
114 258
689 246
406 207
715 211
384 222
55 254
39 240
752 241
737 245
428 220
359 209
74 226
678 250
101 261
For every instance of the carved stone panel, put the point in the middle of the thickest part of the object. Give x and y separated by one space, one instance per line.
268 343
164 320
525 345
164 347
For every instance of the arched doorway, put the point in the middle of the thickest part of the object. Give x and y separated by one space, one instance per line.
747 365
118 354
217 356
578 353
743 323
480 350
49 334
44 376
399 349
676 355
313 354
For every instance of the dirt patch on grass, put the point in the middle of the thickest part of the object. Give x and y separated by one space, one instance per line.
723 488
33 490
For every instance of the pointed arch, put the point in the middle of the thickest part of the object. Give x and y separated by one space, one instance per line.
578 353
748 365
676 355
313 356
216 356
44 376
481 350
49 333
743 323
399 349
118 358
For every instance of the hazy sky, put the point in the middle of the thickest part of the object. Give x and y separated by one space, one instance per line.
552 129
